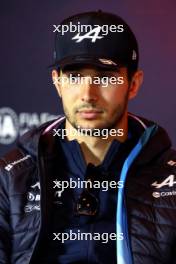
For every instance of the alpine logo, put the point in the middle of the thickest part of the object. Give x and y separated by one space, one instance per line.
169 181
92 34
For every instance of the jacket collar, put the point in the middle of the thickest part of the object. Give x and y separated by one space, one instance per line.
159 141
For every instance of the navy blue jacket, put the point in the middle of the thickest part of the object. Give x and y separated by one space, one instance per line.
25 198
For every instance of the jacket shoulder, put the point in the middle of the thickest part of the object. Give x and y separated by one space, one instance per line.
168 158
16 160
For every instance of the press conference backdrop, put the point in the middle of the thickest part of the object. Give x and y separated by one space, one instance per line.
28 96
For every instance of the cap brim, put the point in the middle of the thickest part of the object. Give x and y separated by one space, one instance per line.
104 63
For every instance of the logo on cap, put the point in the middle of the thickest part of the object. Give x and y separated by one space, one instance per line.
92 34
134 55
107 62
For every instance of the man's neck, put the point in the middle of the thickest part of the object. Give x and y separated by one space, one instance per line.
95 148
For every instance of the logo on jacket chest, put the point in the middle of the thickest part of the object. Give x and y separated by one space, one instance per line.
33 198
170 181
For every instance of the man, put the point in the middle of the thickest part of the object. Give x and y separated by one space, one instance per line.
98 184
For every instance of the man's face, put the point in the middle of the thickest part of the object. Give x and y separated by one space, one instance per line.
90 105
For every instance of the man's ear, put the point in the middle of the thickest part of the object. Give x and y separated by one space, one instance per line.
135 84
55 78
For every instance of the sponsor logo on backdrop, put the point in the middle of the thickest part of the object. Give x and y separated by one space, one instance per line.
13 125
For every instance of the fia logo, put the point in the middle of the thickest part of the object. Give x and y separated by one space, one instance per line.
9 126
92 34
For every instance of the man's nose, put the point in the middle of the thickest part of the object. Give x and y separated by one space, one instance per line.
89 91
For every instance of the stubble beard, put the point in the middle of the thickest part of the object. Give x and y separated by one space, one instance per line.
115 118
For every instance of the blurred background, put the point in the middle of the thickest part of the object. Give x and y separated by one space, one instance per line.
28 97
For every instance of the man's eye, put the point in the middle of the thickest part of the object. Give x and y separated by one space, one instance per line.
106 75
74 78
72 73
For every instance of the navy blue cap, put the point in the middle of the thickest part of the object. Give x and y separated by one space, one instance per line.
105 40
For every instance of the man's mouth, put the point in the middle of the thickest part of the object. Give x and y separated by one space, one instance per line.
89 113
